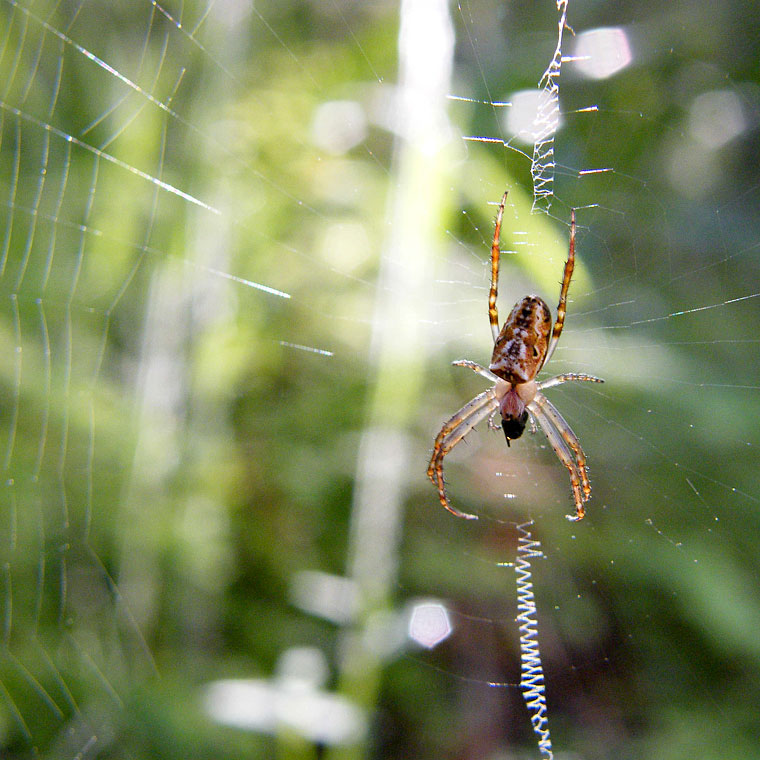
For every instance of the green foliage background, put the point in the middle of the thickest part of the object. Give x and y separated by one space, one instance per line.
171 463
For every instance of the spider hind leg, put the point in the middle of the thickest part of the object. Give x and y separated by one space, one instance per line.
568 449
451 434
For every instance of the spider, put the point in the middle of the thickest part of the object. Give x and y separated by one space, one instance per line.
521 348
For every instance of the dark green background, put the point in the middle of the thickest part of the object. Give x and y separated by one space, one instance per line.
149 547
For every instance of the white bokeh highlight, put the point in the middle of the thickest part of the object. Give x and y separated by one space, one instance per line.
429 624
716 118
601 53
338 126
331 597
522 119
292 700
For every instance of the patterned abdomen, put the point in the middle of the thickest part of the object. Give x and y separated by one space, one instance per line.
521 346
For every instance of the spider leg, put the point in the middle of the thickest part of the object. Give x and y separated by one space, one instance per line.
493 312
568 436
562 305
488 375
567 378
568 449
451 433
482 371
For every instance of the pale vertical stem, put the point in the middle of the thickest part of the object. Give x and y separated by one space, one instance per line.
420 171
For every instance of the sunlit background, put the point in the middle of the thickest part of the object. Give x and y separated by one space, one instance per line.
241 244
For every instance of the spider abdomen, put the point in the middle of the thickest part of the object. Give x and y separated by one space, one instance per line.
522 343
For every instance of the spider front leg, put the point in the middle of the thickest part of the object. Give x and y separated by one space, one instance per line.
453 431
562 305
493 313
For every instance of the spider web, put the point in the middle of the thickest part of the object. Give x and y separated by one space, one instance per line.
221 270
676 507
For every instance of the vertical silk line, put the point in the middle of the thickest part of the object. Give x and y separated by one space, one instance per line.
531 670
547 122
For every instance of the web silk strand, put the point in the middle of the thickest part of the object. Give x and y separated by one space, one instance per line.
531 669
547 121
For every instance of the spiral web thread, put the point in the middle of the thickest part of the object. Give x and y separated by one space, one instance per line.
546 123
531 670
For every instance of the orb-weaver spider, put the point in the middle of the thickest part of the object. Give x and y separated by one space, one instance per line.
521 348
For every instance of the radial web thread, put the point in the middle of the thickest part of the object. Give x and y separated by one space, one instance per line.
531 670
547 121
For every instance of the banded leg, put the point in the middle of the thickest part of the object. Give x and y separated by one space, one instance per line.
493 312
475 367
570 438
488 375
451 433
567 378
564 451
562 305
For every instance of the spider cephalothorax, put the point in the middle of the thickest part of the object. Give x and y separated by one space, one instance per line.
524 344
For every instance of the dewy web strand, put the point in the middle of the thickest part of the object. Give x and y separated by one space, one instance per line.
546 123
531 669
